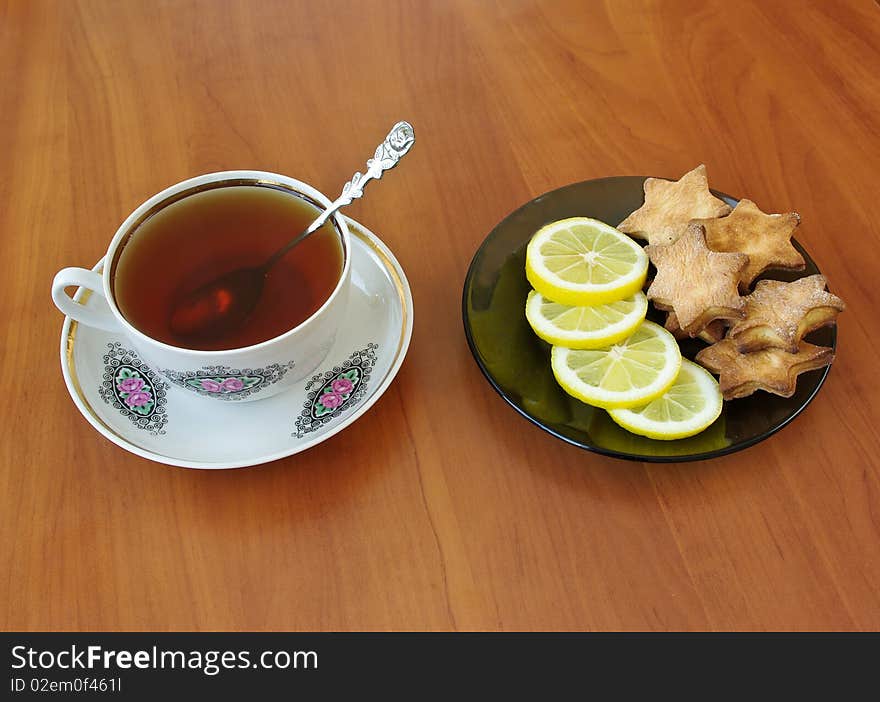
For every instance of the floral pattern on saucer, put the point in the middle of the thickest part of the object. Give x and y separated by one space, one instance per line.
226 383
331 393
130 386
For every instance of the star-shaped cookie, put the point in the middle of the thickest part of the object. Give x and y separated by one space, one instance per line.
780 314
697 284
765 238
670 205
773 370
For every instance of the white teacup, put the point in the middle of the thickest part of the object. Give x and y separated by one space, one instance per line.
242 374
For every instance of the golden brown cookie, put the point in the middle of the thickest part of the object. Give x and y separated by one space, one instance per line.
780 314
670 205
765 238
711 333
699 285
773 370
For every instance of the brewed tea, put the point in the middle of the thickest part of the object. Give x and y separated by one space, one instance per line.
202 236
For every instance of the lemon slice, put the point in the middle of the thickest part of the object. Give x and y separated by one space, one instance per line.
588 327
626 374
582 261
690 405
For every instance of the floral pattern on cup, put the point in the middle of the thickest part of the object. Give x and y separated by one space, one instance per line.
132 387
225 383
335 391
219 385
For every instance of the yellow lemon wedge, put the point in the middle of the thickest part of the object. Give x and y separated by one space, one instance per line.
629 373
582 261
585 327
688 407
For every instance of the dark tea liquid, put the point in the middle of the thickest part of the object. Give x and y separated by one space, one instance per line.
203 236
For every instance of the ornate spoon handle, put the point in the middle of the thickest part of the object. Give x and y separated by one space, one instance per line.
399 140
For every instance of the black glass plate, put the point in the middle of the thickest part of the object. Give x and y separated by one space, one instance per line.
517 363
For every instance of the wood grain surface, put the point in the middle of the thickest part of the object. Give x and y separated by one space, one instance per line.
440 508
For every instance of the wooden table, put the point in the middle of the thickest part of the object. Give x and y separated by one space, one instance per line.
452 512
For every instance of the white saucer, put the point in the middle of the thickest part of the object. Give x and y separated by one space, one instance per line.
189 431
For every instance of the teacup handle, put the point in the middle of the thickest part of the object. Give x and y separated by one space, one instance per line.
83 278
